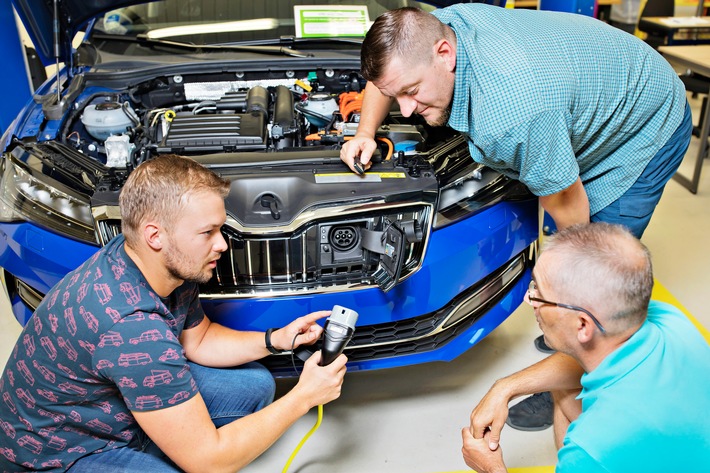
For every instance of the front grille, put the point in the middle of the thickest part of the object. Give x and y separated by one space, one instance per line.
426 332
276 262
324 253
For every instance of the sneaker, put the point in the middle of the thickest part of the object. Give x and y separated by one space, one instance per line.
542 346
531 414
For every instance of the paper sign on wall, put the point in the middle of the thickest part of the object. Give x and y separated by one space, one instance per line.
318 21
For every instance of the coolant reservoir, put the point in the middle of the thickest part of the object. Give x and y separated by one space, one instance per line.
106 119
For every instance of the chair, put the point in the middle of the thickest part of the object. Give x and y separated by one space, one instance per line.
697 84
655 36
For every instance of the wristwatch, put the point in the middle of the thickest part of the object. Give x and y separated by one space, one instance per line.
269 346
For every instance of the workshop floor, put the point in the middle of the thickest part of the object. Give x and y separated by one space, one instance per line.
409 419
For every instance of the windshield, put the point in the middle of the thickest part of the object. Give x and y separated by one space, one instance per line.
203 22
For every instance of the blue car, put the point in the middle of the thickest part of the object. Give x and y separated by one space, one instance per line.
431 249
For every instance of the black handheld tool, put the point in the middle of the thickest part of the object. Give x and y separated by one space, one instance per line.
339 329
360 170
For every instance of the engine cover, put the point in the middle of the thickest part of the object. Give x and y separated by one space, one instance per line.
218 132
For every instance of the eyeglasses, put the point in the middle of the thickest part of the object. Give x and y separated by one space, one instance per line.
532 292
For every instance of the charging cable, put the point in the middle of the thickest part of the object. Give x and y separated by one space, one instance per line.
305 437
313 429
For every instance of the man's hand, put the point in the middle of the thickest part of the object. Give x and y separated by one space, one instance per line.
488 417
321 384
478 456
359 147
305 327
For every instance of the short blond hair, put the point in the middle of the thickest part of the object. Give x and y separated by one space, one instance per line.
159 188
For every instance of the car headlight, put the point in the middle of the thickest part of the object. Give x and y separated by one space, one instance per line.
468 192
33 197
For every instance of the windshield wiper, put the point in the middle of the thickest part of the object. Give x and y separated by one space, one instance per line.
290 40
199 48
355 41
281 50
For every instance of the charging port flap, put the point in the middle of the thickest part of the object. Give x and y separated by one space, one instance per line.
389 243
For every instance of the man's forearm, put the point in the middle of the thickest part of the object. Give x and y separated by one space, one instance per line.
569 206
375 108
187 435
244 440
556 372
219 346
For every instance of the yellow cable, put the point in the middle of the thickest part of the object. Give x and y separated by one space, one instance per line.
303 440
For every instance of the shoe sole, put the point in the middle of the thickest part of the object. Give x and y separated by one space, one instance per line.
542 349
528 429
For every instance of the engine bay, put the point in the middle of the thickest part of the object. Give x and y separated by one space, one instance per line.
293 207
202 115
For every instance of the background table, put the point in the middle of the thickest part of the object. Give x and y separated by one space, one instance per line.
697 59
673 24
534 3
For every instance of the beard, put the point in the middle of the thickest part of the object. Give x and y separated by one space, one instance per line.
442 119
180 267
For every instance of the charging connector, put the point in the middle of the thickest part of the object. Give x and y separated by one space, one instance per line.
338 331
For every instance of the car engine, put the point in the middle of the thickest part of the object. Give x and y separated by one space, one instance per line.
192 116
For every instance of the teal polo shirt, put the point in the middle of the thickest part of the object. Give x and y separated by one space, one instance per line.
546 97
645 407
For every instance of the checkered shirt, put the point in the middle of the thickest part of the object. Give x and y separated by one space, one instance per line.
545 97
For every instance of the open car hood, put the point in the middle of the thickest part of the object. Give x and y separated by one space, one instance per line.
38 16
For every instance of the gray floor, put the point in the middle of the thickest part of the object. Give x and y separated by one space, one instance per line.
409 419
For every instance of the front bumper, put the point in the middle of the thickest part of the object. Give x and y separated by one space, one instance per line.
437 336
476 269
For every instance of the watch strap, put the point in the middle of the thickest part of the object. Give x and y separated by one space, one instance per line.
267 342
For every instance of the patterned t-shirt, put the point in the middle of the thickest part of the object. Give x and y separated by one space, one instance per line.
101 344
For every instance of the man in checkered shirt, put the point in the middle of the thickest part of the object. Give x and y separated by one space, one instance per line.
591 119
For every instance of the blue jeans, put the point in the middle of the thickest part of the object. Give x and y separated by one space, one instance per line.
635 207
229 393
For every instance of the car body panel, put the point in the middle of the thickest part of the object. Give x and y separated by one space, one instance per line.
466 237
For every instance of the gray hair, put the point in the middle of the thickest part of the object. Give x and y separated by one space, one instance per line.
603 266
159 189
407 33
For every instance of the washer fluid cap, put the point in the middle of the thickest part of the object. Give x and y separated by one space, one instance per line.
106 119
406 145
